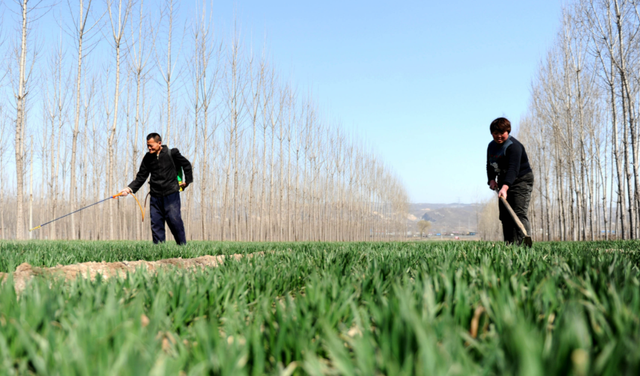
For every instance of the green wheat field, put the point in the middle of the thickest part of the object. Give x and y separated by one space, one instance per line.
328 309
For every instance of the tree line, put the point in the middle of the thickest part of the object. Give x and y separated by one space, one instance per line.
581 127
79 100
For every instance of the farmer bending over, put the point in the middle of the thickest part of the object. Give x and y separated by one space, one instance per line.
164 165
507 160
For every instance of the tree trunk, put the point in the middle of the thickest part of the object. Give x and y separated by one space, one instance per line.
20 116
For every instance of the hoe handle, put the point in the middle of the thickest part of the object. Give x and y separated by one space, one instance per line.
513 215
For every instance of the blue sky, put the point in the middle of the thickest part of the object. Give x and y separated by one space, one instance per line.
419 80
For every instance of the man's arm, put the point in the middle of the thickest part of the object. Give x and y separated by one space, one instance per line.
491 173
141 177
185 164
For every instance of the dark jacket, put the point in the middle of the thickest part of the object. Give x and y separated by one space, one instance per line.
164 172
508 161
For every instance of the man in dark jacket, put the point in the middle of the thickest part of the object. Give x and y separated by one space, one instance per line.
164 165
507 160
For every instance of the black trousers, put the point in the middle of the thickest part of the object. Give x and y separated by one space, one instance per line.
518 197
167 209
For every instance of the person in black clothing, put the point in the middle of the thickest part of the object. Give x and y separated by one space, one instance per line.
164 165
508 170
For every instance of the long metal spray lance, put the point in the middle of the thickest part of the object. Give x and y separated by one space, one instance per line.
88 206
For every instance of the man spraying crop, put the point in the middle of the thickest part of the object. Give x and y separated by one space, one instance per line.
167 180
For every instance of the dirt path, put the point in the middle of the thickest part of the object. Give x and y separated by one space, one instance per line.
25 272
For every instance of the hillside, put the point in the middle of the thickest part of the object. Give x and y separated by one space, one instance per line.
445 218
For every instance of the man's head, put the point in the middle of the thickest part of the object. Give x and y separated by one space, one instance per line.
500 129
154 143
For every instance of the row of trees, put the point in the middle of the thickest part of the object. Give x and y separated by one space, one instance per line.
267 166
581 128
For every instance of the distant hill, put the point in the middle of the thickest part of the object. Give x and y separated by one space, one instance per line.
446 218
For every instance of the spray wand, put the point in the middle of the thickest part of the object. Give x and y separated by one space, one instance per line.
88 206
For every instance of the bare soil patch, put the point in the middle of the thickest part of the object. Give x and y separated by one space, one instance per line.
25 272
